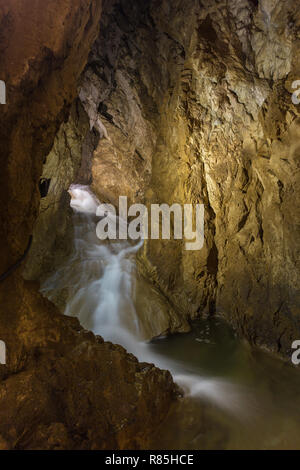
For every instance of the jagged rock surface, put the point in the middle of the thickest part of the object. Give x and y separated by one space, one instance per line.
194 99
62 388
69 160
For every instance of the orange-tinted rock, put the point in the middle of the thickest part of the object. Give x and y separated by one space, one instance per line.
44 49
65 388
62 387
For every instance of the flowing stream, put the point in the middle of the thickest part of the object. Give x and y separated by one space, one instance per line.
235 397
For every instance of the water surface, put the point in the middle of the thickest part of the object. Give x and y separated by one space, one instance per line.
266 414
235 397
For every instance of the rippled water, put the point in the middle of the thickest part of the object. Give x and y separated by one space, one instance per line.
235 396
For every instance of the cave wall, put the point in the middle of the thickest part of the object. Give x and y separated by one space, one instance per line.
68 161
61 386
193 100
41 70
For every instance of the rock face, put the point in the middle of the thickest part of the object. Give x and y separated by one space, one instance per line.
41 71
193 101
64 388
70 158
181 101
61 386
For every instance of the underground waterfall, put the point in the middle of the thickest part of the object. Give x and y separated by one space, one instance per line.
100 280
146 344
234 382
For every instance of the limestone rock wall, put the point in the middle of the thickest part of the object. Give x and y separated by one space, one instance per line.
41 71
64 388
194 99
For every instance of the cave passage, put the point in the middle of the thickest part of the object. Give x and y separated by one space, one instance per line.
173 102
234 396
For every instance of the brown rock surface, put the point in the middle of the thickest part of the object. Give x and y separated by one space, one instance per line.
69 159
195 105
43 52
192 104
62 387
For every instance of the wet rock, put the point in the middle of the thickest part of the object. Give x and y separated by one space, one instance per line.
62 387
69 160
197 105
65 388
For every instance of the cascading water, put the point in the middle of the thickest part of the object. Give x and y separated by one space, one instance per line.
99 279
243 390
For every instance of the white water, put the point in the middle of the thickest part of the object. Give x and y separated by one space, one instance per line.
99 279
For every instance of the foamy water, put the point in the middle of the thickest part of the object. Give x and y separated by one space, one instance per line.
99 278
